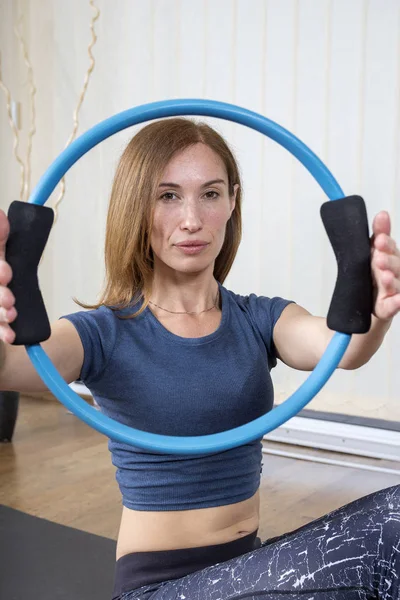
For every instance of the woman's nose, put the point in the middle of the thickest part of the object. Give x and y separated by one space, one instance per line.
191 216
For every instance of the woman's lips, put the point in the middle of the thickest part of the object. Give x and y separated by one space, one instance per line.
192 248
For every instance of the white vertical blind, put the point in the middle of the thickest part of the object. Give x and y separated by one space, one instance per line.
328 70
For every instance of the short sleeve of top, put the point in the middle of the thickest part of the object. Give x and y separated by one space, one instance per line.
264 313
98 332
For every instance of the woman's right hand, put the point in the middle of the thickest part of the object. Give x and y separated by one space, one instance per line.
8 312
64 347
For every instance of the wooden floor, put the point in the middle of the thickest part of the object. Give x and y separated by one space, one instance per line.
60 469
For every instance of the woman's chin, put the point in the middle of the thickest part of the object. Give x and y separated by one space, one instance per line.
190 268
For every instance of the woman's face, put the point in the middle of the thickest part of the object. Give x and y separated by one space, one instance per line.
192 209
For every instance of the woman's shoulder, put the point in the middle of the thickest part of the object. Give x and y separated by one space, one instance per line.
259 307
250 300
99 313
106 312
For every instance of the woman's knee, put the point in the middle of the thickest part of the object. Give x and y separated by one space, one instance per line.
382 511
385 502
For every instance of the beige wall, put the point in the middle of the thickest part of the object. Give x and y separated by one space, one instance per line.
328 70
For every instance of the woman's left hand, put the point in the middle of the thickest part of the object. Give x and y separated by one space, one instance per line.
385 268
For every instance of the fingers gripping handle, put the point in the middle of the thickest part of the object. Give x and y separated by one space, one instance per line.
30 225
346 224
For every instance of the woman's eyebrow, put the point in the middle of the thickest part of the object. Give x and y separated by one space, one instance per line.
176 185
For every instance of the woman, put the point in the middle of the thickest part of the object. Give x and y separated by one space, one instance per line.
170 350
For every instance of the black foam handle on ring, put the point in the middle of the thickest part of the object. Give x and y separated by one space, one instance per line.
30 225
346 224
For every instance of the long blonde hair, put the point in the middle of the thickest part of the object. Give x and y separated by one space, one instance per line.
128 255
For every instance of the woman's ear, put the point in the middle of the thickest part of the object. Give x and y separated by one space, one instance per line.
233 197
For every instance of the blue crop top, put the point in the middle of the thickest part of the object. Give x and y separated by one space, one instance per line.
143 375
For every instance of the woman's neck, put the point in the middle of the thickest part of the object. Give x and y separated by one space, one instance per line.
184 294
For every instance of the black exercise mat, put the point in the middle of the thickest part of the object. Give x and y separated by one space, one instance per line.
41 560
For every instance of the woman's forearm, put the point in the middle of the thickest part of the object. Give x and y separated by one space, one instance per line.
363 346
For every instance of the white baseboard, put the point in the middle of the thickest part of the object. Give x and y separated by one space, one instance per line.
339 437
326 435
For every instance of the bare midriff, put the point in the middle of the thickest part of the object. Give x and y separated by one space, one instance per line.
143 531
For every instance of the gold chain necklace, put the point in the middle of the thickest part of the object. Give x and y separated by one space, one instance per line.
187 312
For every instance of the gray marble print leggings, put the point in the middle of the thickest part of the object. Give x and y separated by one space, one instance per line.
352 553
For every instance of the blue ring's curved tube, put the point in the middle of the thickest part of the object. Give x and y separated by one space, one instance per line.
279 415
171 108
196 444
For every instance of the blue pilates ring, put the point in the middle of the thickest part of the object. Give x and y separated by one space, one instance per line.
250 431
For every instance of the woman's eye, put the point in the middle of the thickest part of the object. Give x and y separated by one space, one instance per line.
168 197
212 195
